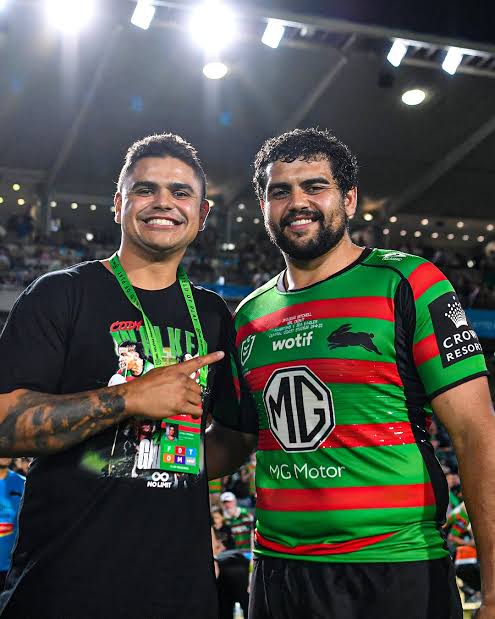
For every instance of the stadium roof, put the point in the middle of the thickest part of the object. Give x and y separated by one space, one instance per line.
70 107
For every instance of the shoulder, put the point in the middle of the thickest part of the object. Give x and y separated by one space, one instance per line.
395 260
210 300
418 271
257 294
61 280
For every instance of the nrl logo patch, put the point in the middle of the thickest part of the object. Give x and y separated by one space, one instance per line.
247 348
394 255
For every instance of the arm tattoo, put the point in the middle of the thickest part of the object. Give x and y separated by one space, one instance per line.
39 423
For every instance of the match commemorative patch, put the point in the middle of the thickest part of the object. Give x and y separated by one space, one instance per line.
455 337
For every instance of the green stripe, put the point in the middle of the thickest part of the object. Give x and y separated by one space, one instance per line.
268 344
433 292
364 466
417 541
434 376
337 525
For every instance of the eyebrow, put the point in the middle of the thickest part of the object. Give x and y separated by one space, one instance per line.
319 180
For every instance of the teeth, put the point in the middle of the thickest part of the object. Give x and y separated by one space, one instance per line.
300 222
161 222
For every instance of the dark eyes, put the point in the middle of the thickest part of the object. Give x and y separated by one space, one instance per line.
148 191
278 194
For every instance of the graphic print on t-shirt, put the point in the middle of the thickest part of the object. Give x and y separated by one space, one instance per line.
163 453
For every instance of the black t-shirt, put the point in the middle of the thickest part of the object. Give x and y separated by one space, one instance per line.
103 533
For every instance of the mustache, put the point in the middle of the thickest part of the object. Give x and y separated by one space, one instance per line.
292 216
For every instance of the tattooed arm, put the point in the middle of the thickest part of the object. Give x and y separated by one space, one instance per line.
38 423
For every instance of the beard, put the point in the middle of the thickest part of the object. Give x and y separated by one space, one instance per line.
326 238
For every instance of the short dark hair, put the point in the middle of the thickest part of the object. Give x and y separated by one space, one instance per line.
163 145
137 346
308 145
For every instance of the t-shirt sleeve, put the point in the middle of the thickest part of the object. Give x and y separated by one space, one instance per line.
446 349
33 340
233 404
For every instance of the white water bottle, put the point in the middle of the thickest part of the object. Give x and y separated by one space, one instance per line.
238 614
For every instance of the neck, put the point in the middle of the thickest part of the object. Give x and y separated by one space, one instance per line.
4 471
302 273
147 272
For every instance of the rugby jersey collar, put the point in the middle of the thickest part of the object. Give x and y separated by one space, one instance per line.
280 287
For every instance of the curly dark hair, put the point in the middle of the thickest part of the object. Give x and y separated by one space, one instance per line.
163 145
308 145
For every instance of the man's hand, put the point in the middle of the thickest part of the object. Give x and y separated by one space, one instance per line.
168 391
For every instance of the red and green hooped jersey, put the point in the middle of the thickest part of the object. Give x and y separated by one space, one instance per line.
342 373
241 527
215 486
458 522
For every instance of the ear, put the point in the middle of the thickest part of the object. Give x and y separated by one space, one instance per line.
262 206
117 202
350 202
204 211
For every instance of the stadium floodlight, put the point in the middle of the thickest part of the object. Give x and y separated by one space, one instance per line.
397 52
215 70
414 96
69 15
273 34
213 26
143 14
452 60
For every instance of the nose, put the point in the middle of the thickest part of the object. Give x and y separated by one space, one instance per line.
162 199
298 198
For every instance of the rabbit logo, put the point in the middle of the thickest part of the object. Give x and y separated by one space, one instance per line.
343 337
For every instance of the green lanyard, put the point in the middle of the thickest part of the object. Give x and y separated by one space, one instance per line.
156 350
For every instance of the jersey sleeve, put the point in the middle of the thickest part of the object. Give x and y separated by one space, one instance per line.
446 349
33 341
233 404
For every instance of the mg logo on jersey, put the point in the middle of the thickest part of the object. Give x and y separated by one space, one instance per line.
299 408
247 348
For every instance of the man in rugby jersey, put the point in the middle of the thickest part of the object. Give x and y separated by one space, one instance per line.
347 352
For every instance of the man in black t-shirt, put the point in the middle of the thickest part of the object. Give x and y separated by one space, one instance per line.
105 478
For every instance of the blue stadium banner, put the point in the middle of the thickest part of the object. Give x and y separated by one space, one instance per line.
483 322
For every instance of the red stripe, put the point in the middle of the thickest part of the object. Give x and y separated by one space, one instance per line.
423 277
237 388
321 549
353 307
184 418
363 497
355 435
333 371
425 349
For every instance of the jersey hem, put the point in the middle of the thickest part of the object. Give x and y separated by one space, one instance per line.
461 381
385 558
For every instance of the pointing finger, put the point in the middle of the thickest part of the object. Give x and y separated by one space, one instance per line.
193 365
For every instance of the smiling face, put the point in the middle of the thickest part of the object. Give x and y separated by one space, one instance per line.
305 213
160 207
